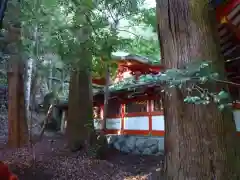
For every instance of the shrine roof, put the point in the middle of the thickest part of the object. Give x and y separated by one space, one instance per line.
131 83
128 84
137 58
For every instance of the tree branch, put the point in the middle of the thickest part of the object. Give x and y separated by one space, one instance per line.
132 33
227 82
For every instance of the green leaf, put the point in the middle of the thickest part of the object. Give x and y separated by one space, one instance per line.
203 79
221 107
188 99
215 75
223 95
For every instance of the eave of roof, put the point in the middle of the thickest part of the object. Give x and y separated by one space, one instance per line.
131 83
138 58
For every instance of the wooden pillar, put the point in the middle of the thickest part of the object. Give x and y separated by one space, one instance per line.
123 110
101 119
150 109
17 124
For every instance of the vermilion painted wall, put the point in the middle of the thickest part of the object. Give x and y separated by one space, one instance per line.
144 123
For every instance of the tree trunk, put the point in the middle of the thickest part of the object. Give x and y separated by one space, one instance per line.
80 127
106 97
3 6
50 83
200 140
28 82
35 86
17 124
80 112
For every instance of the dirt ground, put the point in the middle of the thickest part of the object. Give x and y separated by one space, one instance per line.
53 161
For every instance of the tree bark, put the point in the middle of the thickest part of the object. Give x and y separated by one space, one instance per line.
17 124
28 80
200 141
80 112
80 127
106 97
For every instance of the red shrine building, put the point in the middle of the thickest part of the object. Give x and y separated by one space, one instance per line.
136 110
135 118
228 16
133 110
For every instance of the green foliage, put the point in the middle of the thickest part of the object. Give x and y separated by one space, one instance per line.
148 17
3 81
61 28
145 47
222 99
70 29
190 79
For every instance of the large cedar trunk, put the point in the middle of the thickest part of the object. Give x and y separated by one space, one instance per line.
80 128
17 121
80 120
200 140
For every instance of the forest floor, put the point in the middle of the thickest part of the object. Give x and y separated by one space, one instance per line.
53 161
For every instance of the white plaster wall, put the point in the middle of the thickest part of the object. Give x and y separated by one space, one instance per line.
136 123
141 123
113 123
158 123
236 115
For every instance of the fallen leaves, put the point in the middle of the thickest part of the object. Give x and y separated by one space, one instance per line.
55 162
